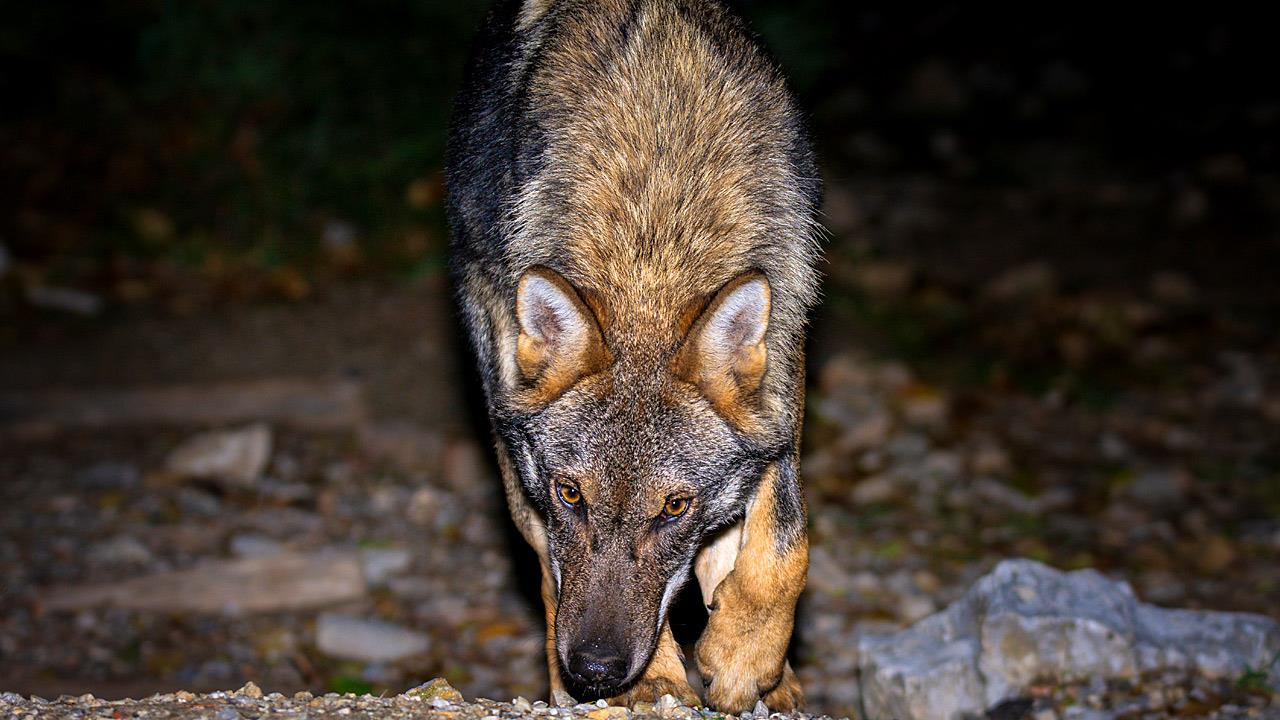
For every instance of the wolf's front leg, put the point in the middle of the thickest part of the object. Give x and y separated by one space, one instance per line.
664 675
742 653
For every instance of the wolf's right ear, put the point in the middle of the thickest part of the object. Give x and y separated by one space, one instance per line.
559 341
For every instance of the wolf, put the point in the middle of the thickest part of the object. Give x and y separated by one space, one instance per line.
632 201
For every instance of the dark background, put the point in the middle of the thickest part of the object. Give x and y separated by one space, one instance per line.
154 141
1049 326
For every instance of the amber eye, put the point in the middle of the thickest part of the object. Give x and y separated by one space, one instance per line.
675 507
570 495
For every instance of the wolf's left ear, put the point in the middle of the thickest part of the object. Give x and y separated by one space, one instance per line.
559 339
725 353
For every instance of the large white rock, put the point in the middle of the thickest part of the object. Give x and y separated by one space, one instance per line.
1026 621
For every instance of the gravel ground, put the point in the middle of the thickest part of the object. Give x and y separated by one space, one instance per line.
1162 697
432 700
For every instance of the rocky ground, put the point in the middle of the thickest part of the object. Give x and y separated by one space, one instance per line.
335 542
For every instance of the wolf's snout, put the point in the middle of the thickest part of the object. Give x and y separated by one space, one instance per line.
597 665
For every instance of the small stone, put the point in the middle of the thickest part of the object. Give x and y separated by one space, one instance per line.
1159 489
642 707
1032 281
868 433
184 696
1215 555
70 300
609 713
424 505
926 582
874 490
762 710
253 546
250 690
1173 288
343 636
381 564
915 607
303 696
1045 714
110 476
923 405
522 704
562 699
120 550
435 688
238 456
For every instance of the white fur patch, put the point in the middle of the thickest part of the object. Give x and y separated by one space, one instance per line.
716 561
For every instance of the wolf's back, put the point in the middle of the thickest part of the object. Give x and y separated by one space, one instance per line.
644 149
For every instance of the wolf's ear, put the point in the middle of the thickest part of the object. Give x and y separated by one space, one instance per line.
559 339
725 353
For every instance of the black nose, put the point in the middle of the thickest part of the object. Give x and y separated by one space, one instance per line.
597 667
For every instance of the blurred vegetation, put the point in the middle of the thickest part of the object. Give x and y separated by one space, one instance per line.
223 137
178 153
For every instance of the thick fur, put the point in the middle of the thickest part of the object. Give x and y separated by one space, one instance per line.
632 201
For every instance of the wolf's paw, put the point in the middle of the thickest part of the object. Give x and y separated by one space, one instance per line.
787 696
740 672
650 689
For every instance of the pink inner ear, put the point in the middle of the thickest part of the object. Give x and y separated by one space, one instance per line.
742 317
543 320
545 312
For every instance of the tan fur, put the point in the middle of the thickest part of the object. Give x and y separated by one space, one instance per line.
744 646
665 202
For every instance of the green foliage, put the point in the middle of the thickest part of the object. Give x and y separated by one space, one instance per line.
1254 680
343 684
303 108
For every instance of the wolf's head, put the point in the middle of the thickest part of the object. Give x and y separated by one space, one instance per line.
632 459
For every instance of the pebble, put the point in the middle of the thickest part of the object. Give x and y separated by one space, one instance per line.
121 550
237 456
253 545
352 638
875 489
381 564
250 690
